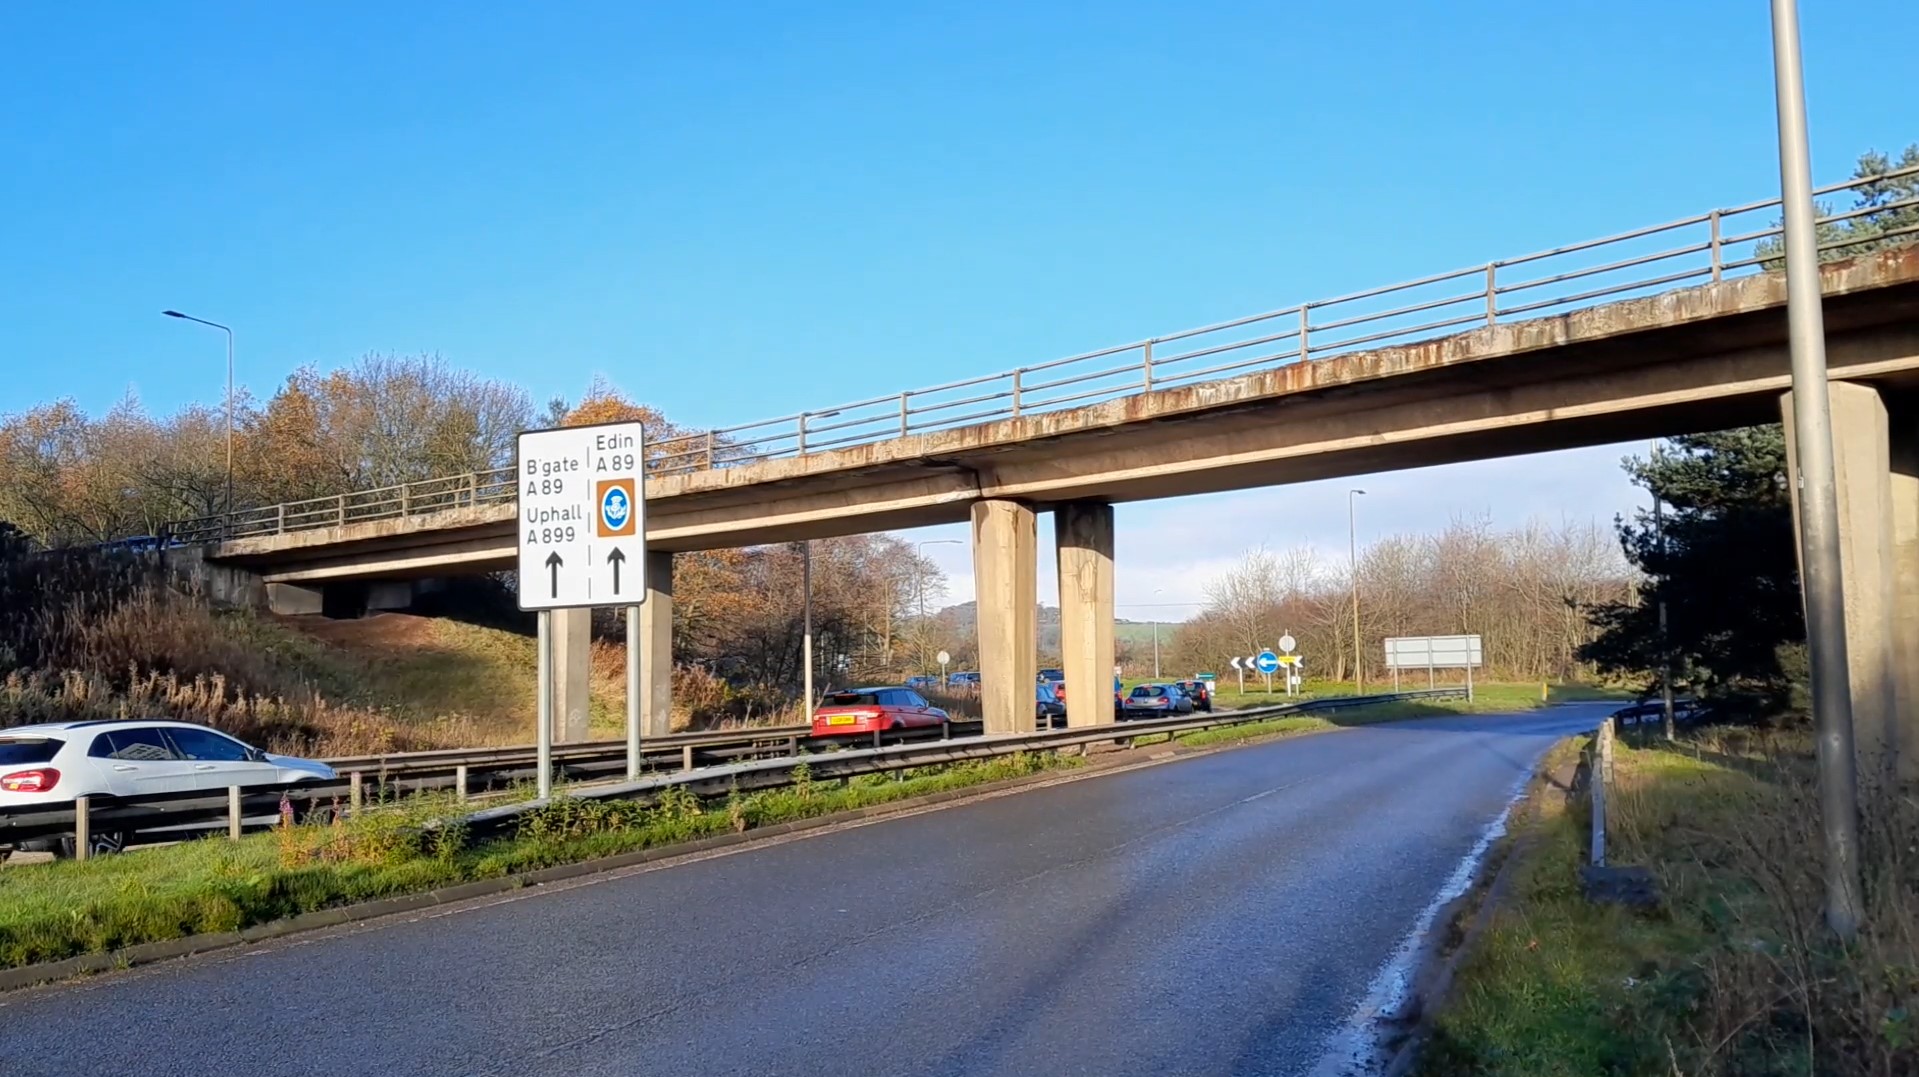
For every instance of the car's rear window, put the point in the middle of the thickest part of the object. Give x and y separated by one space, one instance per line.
1145 691
17 751
852 699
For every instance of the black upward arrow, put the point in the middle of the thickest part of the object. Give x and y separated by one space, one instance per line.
553 563
614 559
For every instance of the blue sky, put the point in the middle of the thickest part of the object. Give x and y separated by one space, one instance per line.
735 211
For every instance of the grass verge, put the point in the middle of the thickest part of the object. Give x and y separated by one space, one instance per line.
1491 696
58 910
1734 973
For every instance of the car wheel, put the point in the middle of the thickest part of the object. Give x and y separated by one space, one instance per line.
99 843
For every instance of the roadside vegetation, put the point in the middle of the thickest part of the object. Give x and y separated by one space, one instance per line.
1734 973
1487 697
91 634
56 910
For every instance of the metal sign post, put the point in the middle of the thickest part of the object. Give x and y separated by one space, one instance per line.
944 658
1434 653
543 736
1290 661
1267 663
632 692
581 542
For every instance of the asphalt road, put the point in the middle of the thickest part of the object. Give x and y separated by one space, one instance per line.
1230 913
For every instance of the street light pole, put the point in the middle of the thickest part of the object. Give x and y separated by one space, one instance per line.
1157 591
1818 493
1352 553
919 576
1665 637
229 333
806 626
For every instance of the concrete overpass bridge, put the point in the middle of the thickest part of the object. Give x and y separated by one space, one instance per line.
1670 329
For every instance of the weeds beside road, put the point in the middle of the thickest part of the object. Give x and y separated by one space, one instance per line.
1735 974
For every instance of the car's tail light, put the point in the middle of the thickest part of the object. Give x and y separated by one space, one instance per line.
30 781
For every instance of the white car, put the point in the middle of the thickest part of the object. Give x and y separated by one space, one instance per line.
61 761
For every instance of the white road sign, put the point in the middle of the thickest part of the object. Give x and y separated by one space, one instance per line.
1236 664
1286 642
582 518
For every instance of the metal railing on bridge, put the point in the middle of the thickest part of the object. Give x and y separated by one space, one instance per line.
1709 246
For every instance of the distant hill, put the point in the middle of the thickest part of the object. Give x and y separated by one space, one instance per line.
963 619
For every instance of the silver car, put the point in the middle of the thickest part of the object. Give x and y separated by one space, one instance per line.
61 761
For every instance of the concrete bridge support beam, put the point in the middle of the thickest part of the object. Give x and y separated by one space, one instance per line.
656 646
1878 497
1005 573
289 599
1902 428
572 645
1084 530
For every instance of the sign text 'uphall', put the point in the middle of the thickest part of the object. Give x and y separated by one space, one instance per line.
582 518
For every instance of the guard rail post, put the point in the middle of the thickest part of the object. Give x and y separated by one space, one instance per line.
233 813
1717 271
459 782
686 757
356 792
1601 763
82 827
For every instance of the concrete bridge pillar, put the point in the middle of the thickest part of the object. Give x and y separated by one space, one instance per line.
1006 587
1876 464
1084 530
572 645
656 646
1902 427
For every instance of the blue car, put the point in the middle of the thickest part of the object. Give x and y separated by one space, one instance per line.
921 684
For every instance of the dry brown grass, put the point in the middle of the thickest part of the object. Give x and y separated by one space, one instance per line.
1738 847
306 724
1737 974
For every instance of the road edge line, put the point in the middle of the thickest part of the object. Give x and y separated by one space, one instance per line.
1433 980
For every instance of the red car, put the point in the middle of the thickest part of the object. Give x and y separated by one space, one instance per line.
869 710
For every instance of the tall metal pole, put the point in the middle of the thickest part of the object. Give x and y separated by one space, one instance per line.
632 692
1156 593
543 736
919 574
229 501
1818 493
806 626
228 507
1352 552
1665 638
